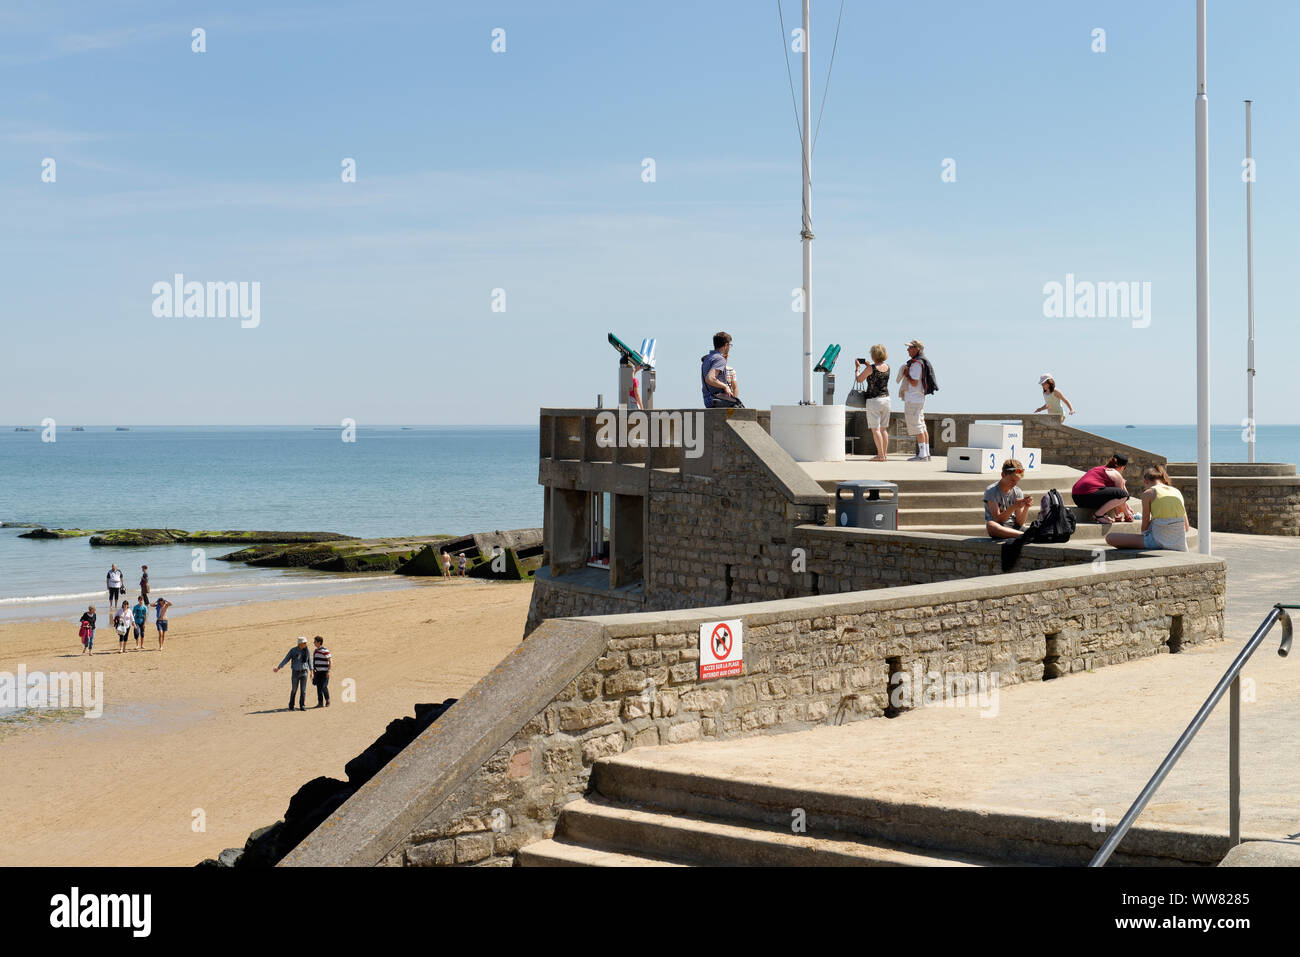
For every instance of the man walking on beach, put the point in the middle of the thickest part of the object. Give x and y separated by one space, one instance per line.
446 565
140 615
115 588
300 655
462 563
715 386
144 583
160 619
320 663
914 387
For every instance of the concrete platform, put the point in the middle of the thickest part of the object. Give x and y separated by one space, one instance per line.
933 474
1078 748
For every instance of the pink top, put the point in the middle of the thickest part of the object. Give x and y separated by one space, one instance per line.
1091 481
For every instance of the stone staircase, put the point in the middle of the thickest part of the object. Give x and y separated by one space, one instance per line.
638 816
956 507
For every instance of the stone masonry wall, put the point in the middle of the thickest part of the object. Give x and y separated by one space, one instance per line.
1260 506
805 666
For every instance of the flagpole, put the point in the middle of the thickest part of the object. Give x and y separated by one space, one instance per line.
1202 291
1250 299
806 232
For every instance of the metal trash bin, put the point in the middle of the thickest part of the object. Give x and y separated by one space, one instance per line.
866 503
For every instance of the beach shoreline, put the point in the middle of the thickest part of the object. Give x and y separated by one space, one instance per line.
192 751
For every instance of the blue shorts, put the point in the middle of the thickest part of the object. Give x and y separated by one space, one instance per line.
162 624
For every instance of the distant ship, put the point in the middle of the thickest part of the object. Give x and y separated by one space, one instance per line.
78 428
1130 426
23 428
121 428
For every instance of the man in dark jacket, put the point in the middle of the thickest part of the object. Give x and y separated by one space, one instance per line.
300 655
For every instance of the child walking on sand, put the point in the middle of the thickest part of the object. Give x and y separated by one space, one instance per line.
87 631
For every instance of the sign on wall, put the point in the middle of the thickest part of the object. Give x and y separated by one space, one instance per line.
721 649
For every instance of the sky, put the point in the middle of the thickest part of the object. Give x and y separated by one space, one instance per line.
501 223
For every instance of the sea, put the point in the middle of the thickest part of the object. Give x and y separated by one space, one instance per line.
390 481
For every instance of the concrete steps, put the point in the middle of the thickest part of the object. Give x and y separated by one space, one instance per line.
649 816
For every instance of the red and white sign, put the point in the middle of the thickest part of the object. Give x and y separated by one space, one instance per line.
721 649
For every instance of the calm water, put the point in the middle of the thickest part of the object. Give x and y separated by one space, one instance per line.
390 481
1273 443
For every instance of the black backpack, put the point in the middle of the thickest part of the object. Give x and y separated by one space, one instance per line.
1055 523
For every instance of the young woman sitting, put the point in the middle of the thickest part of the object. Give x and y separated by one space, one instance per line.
1164 516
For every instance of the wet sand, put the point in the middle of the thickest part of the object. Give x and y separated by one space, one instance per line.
193 751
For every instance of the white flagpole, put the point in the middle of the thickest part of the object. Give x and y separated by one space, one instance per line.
1250 299
1202 291
807 208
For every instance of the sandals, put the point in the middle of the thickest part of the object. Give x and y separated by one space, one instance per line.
1103 520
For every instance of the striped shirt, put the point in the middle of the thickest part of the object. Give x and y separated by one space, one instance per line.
320 659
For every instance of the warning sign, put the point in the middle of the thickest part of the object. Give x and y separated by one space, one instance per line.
721 650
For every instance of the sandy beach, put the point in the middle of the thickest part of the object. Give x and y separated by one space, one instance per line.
195 733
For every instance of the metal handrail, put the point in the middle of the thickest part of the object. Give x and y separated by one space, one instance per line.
1231 681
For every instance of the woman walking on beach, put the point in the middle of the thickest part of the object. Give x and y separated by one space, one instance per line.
1052 399
87 631
876 376
446 566
1103 490
122 622
1164 516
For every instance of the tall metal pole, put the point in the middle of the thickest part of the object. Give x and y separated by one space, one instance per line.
1250 299
1202 291
807 208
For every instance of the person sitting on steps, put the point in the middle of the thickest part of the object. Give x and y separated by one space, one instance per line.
1006 506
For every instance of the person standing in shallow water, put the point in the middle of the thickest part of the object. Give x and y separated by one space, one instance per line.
300 656
115 586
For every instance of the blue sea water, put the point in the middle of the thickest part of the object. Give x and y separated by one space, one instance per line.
1177 443
390 481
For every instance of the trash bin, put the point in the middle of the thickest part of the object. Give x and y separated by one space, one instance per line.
866 503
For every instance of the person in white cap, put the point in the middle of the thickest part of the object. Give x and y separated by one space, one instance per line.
300 655
1051 398
913 392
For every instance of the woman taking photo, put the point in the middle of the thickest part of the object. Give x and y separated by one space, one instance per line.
1102 489
1164 516
875 375
1052 399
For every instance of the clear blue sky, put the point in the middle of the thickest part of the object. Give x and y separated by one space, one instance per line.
522 171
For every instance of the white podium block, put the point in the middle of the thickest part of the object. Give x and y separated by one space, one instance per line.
1006 436
1031 459
977 461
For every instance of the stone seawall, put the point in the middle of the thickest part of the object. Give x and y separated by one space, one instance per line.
1259 505
494 772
